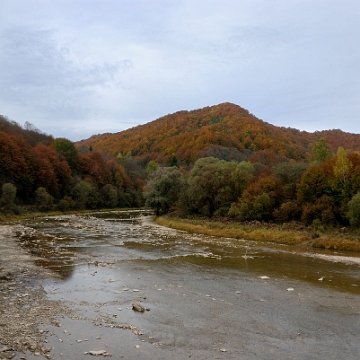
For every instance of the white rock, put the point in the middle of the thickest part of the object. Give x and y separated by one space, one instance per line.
97 352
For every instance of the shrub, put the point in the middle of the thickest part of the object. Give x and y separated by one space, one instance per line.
8 195
43 200
354 210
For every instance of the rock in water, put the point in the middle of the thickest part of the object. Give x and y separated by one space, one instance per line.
97 352
139 307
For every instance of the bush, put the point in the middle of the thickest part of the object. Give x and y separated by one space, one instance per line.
8 195
63 205
43 200
354 210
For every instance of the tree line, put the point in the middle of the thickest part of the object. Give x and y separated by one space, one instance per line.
43 173
323 190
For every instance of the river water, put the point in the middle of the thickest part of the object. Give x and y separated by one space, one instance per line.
209 298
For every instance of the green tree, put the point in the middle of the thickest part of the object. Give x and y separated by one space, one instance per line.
109 196
321 152
68 150
203 185
252 207
342 166
173 161
262 207
163 189
151 167
353 214
8 195
214 184
43 200
85 195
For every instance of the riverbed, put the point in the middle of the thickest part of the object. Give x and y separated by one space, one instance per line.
208 298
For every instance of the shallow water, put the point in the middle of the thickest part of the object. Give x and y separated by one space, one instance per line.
209 298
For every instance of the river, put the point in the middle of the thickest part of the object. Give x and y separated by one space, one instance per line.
209 298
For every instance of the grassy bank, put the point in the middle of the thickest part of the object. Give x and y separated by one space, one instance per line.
291 234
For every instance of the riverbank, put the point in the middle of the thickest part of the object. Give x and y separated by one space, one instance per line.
343 239
24 307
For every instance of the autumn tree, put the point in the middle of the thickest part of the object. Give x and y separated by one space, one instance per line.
14 167
92 166
52 172
313 185
287 176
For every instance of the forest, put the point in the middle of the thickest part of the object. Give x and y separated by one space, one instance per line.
38 172
219 161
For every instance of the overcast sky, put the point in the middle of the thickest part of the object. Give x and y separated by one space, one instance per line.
79 68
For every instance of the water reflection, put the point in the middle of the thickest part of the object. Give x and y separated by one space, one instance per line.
63 242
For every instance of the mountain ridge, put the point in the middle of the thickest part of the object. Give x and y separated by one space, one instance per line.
224 128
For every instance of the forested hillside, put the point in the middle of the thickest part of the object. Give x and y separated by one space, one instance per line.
215 161
44 173
225 131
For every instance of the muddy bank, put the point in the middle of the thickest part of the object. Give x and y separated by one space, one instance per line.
24 308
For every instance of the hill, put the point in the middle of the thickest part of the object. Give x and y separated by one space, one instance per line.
225 131
29 133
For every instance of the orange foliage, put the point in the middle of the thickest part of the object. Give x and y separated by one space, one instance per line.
189 134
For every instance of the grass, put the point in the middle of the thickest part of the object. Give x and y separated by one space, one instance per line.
291 234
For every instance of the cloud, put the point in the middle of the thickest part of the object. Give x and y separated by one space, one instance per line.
86 67
41 74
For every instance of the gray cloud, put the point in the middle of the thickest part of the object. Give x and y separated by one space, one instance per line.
79 68
38 73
